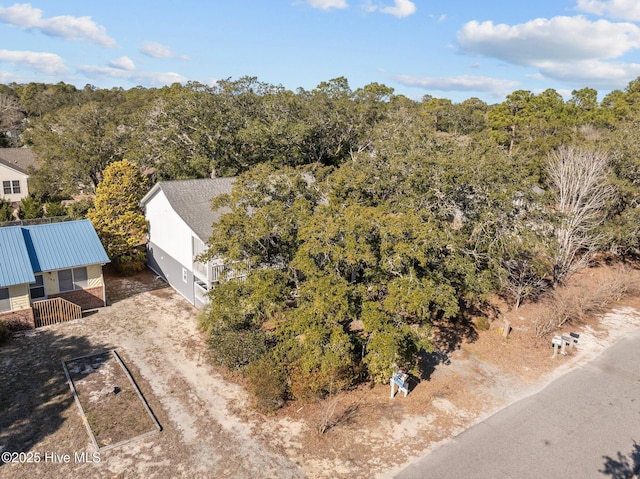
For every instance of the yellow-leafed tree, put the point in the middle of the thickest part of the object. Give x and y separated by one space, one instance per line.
117 215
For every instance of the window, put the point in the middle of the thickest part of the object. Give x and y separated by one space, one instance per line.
9 187
65 280
70 279
80 278
36 290
5 301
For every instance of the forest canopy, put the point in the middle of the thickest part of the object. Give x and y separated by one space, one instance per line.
368 218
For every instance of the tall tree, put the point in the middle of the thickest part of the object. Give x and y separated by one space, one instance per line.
77 143
117 216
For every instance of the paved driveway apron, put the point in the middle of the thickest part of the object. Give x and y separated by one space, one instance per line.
585 424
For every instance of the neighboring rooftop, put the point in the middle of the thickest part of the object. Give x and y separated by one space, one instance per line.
25 250
191 200
17 158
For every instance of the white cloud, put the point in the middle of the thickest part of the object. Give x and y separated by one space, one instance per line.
595 73
559 39
49 63
327 4
620 9
23 15
459 83
149 79
156 50
123 63
570 49
400 9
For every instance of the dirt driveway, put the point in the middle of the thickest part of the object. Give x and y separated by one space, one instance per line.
208 426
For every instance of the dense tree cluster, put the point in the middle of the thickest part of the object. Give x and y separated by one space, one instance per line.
368 218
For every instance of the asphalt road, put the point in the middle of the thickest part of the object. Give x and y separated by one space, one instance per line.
585 424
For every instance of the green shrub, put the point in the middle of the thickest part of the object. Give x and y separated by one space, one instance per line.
482 323
129 264
266 383
78 209
6 210
54 208
235 349
30 209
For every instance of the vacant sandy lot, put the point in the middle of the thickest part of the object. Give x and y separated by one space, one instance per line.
209 428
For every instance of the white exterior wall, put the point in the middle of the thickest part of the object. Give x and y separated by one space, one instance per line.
9 174
168 231
19 297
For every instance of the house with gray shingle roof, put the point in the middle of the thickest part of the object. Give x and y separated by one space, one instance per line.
13 173
44 265
180 222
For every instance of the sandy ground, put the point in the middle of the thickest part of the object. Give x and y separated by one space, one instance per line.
209 427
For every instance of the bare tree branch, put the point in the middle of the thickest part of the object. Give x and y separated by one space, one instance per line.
579 180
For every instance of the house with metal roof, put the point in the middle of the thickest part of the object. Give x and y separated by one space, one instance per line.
13 173
180 221
49 272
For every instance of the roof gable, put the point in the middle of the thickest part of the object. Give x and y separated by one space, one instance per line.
191 200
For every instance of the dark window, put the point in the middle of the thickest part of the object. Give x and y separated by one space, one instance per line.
5 301
12 186
36 290
65 280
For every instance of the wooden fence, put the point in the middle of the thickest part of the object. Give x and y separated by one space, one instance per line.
55 310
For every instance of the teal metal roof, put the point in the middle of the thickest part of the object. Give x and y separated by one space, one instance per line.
25 250
15 267
63 245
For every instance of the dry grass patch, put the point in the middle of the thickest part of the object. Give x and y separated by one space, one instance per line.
574 302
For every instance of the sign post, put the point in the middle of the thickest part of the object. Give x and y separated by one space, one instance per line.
399 379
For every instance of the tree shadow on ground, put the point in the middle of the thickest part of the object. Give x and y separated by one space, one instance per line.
450 334
427 363
34 392
624 466
120 287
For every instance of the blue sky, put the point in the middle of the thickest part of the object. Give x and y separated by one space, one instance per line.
454 49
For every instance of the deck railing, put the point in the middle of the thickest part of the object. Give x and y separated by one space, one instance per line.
55 310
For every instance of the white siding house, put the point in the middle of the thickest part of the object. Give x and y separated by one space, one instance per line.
180 222
13 174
